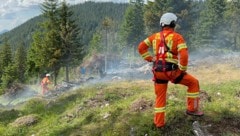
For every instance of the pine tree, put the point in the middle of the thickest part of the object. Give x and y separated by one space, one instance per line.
232 18
51 48
210 24
20 60
152 13
5 56
72 48
9 76
133 26
7 70
194 41
96 43
35 55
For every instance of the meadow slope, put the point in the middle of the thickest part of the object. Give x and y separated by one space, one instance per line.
125 107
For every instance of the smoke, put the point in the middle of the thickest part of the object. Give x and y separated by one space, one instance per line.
124 71
20 96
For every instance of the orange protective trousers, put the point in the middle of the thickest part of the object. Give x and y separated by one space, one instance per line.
44 89
161 91
44 83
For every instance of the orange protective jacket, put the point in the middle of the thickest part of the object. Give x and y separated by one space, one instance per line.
177 52
45 81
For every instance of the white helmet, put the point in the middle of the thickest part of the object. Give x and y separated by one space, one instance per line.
48 75
167 19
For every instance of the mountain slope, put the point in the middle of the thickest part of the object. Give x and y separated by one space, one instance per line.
88 16
3 31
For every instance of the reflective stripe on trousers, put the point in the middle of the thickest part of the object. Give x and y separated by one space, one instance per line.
193 101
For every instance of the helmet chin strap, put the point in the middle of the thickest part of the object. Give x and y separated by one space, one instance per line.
172 25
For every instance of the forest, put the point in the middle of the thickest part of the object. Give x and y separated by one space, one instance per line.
63 35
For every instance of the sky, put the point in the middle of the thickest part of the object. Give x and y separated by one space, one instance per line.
15 12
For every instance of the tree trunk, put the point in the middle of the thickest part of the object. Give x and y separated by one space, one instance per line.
55 78
67 73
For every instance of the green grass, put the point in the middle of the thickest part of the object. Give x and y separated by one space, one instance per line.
107 109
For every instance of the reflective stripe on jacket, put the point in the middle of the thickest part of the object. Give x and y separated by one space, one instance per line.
174 41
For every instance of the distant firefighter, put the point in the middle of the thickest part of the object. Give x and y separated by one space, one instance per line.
82 70
44 84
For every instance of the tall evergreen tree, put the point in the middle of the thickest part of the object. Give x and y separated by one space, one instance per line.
52 44
35 55
232 18
72 48
133 25
96 44
5 56
210 24
154 10
9 76
51 47
196 8
20 60
6 65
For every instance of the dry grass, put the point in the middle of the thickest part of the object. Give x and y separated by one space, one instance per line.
215 74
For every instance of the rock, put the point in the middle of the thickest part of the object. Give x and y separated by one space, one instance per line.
141 104
25 121
106 115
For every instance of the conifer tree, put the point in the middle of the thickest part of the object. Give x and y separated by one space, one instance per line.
9 76
48 42
232 18
196 8
20 60
154 10
96 44
35 55
5 56
210 24
52 47
133 26
7 71
72 48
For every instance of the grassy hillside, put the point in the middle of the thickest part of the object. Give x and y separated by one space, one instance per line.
125 108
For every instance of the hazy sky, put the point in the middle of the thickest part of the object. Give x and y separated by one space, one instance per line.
16 12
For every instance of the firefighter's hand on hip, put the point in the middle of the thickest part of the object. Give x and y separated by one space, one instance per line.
153 59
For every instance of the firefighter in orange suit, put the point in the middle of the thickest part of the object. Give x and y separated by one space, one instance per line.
170 61
44 84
